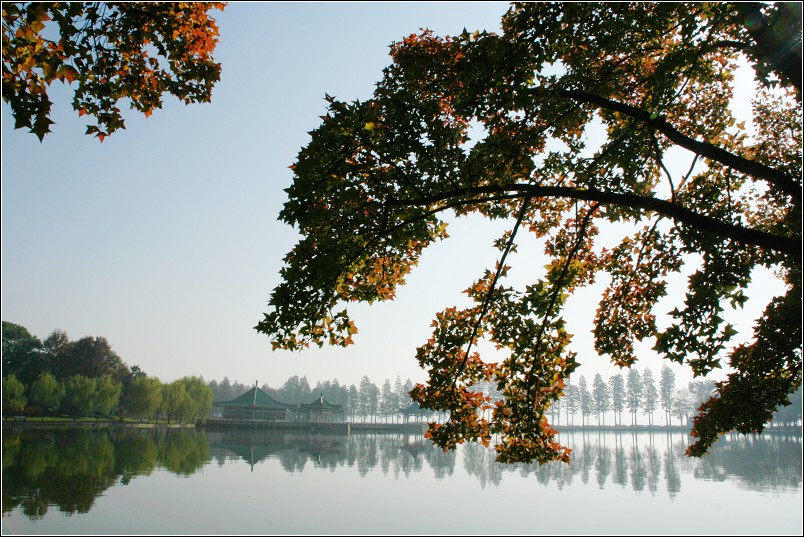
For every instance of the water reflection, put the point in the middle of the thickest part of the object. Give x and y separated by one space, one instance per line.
69 469
397 454
643 461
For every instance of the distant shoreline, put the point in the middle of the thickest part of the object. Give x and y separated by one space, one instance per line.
663 428
33 423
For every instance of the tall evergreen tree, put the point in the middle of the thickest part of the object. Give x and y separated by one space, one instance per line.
390 402
353 406
573 401
406 389
555 411
633 392
601 401
649 395
365 394
585 400
225 391
667 385
617 392
373 402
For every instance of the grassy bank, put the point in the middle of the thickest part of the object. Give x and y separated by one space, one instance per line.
62 422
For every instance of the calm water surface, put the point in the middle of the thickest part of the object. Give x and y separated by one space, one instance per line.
261 482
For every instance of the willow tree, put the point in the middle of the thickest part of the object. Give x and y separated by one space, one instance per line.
373 188
112 51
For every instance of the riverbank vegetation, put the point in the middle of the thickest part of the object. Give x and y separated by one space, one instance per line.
86 378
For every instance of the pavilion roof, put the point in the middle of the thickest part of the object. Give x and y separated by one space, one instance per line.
257 398
414 408
320 404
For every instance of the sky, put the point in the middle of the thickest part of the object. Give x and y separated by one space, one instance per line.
164 238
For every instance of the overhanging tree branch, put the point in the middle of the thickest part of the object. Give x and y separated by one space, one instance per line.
785 245
365 230
784 182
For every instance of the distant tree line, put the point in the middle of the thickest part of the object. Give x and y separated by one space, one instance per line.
637 393
86 378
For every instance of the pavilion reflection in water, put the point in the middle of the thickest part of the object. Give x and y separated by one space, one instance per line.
293 449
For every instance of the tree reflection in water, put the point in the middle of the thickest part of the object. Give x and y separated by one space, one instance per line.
69 469
642 460
391 453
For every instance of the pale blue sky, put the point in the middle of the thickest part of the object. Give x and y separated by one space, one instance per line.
164 238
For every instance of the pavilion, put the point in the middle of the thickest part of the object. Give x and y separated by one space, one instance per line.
414 411
255 405
321 411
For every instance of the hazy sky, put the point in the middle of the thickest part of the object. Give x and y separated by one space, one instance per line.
164 239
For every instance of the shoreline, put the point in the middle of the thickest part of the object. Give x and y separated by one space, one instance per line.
360 427
107 424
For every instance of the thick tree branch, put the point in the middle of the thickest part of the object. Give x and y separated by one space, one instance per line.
785 245
784 182
724 43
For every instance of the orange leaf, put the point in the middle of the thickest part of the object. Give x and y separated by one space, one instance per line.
69 73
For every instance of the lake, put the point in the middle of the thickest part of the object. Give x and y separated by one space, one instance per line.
187 481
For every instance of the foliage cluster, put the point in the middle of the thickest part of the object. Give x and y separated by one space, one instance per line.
113 51
374 185
85 378
26 357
